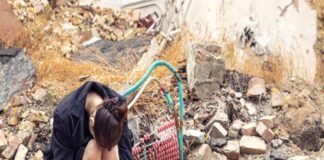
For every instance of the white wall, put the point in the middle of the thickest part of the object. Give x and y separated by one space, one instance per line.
290 36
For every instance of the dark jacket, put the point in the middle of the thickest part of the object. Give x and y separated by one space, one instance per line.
71 132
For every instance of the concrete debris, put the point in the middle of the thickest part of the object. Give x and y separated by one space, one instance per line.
252 145
250 108
281 153
256 87
19 100
227 106
26 126
217 142
277 98
13 66
205 70
23 137
235 129
38 116
249 129
264 132
217 131
203 152
276 143
219 156
14 116
194 136
220 117
40 95
21 153
268 121
232 150
11 149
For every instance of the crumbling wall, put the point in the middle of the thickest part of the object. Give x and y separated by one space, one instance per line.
260 37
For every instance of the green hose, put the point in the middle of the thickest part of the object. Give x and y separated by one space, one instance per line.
169 100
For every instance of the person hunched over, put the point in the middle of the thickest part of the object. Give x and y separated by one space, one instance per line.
91 123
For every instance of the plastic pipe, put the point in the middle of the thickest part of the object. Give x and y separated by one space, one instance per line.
179 81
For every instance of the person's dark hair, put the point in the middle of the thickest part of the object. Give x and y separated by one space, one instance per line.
109 122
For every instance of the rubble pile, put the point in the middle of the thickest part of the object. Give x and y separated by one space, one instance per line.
25 126
228 115
79 25
248 119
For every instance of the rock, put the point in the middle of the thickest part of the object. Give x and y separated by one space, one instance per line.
201 127
217 142
238 95
205 70
11 149
217 131
235 128
114 53
269 121
118 33
218 156
203 152
190 113
237 125
16 73
250 108
12 121
14 116
280 154
21 153
264 132
220 117
194 136
23 137
25 114
19 100
3 141
277 98
40 95
233 134
249 129
256 87
39 155
276 143
26 126
38 116
299 158
252 145
232 150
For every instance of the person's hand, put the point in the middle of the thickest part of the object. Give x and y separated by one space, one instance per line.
92 151
110 155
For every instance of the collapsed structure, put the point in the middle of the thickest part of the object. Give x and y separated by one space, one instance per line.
251 73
